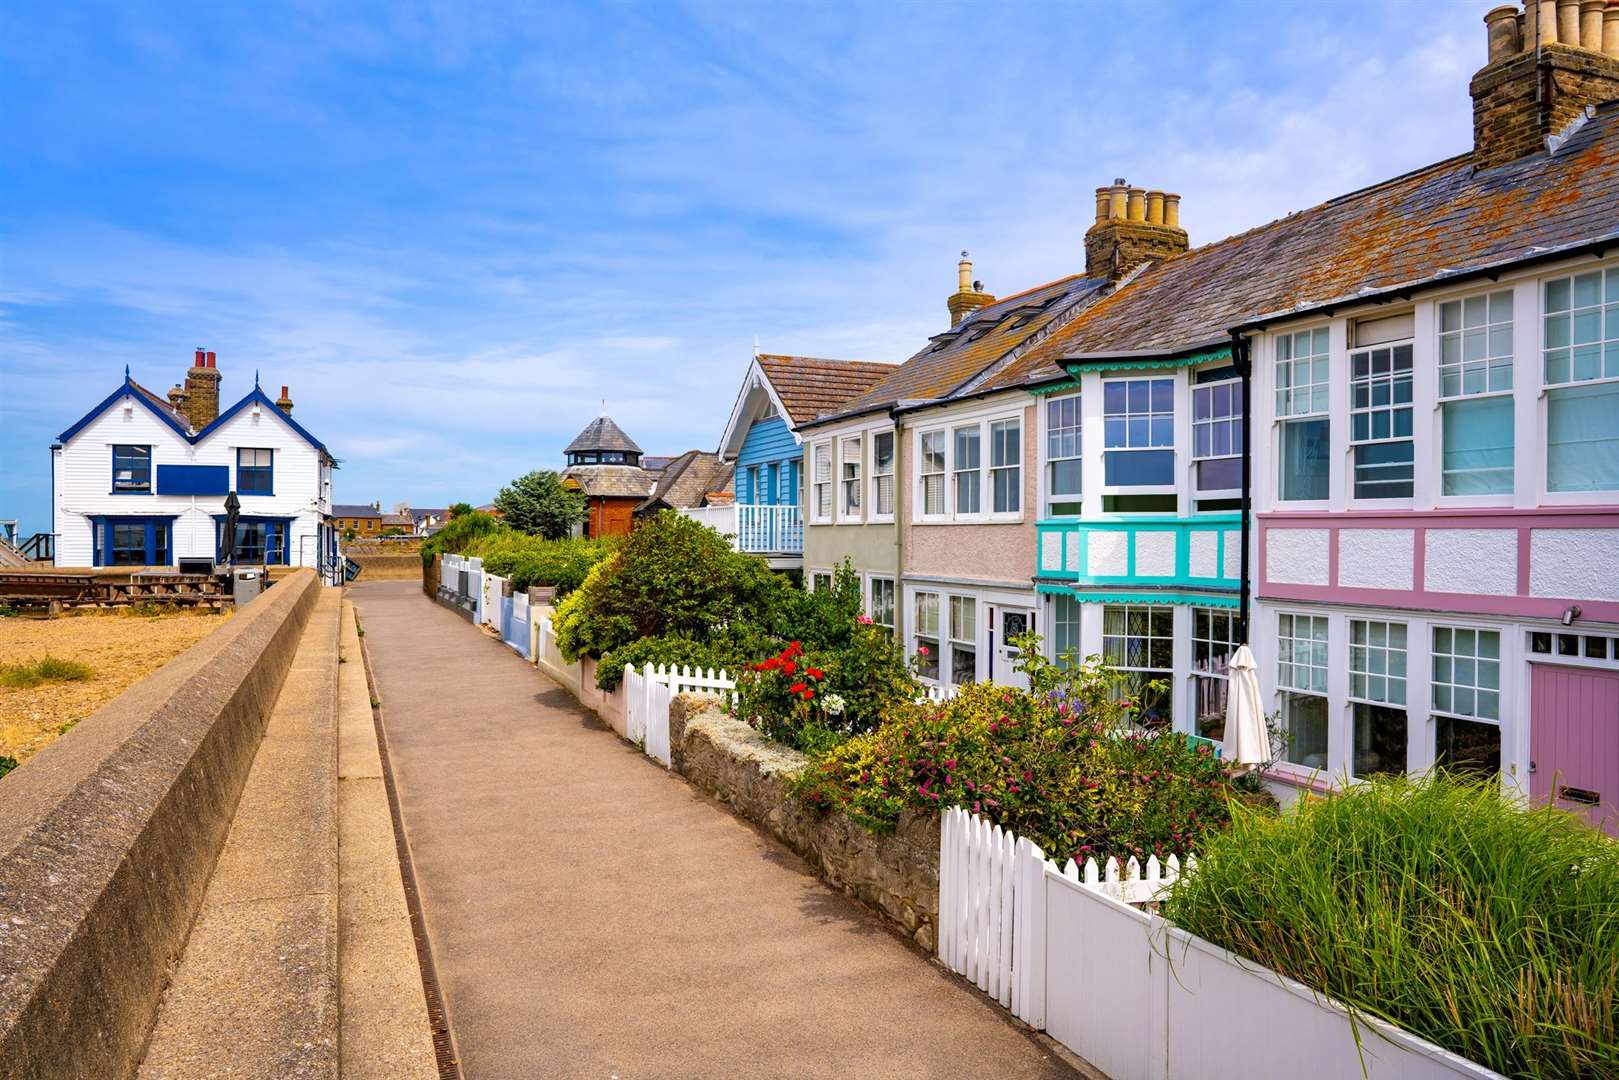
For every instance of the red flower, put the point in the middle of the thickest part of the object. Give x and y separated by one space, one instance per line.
808 694
921 650
796 688
814 673
789 667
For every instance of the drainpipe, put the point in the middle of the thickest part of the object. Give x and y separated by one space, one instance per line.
1241 360
901 487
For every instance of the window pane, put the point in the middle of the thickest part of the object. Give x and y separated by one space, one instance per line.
1478 447
1139 468
1467 745
1582 438
1379 739
1305 460
1304 719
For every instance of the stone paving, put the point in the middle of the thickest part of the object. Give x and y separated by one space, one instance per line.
591 914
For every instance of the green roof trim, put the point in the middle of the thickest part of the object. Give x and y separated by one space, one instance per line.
1208 356
1085 595
1054 388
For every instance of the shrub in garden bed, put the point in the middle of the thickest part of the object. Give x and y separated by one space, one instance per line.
525 559
813 700
1057 764
1436 905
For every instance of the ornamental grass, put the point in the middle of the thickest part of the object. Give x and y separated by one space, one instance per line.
1436 905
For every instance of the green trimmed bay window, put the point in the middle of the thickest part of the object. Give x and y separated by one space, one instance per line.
1581 376
132 541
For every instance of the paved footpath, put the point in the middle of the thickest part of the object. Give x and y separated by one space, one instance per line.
592 915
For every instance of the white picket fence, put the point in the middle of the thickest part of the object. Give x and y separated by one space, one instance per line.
1069 950
648 693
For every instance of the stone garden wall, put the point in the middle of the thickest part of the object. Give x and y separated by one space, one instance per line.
897 874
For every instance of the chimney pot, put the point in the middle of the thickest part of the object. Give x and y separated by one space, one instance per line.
1568 21
1117 195
1155 207
1502 29
211 358
1138 204
1102 200
1172 211
1591 24
1610 29
1547 16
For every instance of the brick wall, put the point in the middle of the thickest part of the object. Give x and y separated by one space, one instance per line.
1508 123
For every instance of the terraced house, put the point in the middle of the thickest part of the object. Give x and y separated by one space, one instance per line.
762 441
1433 367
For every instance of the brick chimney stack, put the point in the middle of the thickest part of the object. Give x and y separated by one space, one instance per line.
284 403
969 295
202 391
1132 226
1545 64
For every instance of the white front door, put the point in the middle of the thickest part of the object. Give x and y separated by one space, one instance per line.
1005 623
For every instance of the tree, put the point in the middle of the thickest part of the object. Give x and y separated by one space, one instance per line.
538 503
460 509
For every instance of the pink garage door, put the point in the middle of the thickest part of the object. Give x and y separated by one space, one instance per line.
1574 741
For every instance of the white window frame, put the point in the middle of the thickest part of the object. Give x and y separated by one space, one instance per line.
1506 703
1306 687
1150 377
947 671
1365 661
991 489
946 427
1047 460
919 633
920 512
872 581
1228 618
974 473
1549 386
1150 637
1493 363
874 511
821 454
1392 408
1236 421
851 484
1291 412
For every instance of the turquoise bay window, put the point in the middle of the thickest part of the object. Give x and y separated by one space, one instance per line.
1581 376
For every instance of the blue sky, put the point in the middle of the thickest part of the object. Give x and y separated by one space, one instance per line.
454 229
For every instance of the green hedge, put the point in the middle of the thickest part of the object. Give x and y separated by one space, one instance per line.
525 559
1436 905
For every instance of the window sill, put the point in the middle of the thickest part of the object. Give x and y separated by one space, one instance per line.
131 491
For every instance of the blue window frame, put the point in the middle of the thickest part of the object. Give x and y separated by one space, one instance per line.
255 471
132 541
258 540
131 470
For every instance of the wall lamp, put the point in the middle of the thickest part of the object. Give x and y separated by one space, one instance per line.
1571 613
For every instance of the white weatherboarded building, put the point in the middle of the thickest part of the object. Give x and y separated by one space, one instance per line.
140 481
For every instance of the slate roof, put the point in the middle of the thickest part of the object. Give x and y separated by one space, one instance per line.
613 481
809 386
656 463
161 402
420 514
984 338
1421 228
602 434
688 478
355 510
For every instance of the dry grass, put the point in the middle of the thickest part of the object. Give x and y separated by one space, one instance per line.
119 648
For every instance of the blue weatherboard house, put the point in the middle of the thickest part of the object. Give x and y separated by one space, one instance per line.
778 394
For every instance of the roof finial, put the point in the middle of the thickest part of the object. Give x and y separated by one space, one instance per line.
604 406
126 372
255 378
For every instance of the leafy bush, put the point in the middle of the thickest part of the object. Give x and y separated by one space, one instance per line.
715 653
44 670
1056 764
7 764
671 577
537 503
1437 905
527 560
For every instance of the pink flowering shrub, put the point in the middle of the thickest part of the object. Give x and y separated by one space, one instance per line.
1058 764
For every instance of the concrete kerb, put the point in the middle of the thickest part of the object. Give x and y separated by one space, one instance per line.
383 1023
108 838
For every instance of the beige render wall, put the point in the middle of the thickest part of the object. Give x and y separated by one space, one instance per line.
991 553
870 548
